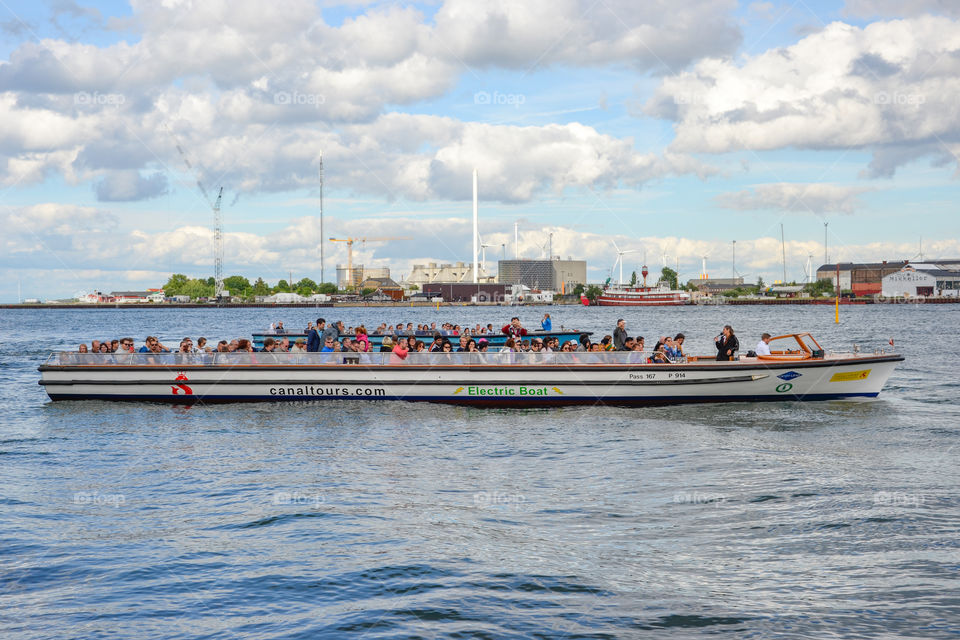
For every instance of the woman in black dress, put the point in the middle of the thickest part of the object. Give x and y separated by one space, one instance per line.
727 344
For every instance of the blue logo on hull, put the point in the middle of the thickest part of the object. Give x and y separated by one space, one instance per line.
789 375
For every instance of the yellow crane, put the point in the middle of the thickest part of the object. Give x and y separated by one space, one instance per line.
350 283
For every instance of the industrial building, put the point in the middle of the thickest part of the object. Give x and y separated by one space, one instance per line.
921 279
716 285
866 278
446 273
552 275
359 274
468 292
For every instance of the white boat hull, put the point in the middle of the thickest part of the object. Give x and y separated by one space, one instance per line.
532 384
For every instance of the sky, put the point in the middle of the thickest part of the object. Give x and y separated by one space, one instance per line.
669 129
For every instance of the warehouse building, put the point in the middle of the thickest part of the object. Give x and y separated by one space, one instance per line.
924 279
866 278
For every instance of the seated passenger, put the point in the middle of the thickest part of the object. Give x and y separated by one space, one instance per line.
678 345
124 351
82 355
659 355
763 347
386 346
400 351
361 337
184 354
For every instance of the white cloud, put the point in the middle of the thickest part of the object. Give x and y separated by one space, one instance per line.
788 196
884 8
131 185
890 87
254 97
661 34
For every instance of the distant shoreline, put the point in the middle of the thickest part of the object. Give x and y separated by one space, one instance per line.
325 305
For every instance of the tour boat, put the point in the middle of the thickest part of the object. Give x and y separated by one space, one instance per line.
799 372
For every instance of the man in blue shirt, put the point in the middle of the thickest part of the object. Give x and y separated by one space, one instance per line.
546 323
314 341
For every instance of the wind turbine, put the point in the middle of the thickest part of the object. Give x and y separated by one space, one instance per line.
483 254
619 260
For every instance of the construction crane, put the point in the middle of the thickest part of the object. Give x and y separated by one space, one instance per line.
217 220
218 248
350 283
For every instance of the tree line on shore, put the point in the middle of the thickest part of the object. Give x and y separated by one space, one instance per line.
239 286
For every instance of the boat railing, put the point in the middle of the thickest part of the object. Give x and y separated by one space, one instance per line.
345 358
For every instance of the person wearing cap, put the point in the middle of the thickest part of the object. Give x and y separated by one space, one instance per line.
299 346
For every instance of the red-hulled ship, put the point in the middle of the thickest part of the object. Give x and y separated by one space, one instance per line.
620 295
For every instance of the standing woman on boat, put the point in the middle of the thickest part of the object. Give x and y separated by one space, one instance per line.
362 338
727 344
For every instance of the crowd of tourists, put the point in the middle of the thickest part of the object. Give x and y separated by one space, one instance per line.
402 339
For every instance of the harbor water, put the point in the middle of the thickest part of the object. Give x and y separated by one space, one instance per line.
398 520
